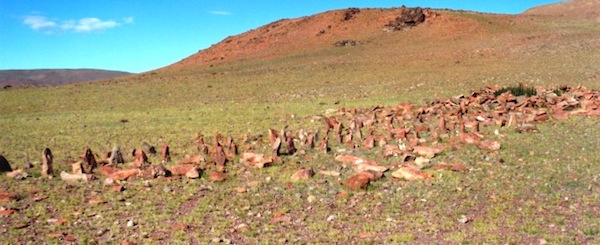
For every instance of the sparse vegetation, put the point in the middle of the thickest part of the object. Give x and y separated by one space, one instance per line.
520 90
538 187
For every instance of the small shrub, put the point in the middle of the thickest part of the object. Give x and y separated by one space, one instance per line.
517 90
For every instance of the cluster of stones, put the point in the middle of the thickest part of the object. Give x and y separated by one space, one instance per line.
417 134
409 133
410 17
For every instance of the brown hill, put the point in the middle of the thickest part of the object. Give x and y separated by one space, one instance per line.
585 9
53 77
446 45
289 36
361 26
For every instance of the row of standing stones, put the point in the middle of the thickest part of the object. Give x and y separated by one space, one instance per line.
412 134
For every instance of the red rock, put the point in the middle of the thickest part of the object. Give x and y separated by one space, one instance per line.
194 173
595 113
342 194
469 138
254 159
17 174
302 173
6 197
560 114
181 169
489 145
165 153
542 117
70 238
89 161
140 158
216 176
373 175
391 150
324 144
124 174
275 141
442 125
410 174
96 201
473 125
281 219
428 151
219 157
400 133
107 170
76 177
7 212
361 164
369 142
358 181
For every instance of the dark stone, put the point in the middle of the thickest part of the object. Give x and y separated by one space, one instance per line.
4 166
350 13
409 17
346 43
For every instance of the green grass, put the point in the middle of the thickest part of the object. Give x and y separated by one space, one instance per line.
519 90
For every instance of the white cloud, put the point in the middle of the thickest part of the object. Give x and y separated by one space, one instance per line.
38 22
93 24
220 12
83 25
128 20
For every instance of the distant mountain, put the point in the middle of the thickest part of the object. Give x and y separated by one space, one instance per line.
53 77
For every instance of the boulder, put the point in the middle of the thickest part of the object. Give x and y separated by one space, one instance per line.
409 17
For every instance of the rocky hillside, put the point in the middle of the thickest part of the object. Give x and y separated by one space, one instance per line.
289 36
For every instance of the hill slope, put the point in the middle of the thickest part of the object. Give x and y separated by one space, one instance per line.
585 9
445 34
53 77
290 36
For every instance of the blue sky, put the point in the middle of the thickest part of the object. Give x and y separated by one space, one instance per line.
141 35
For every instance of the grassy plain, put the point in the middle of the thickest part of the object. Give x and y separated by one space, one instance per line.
546 189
